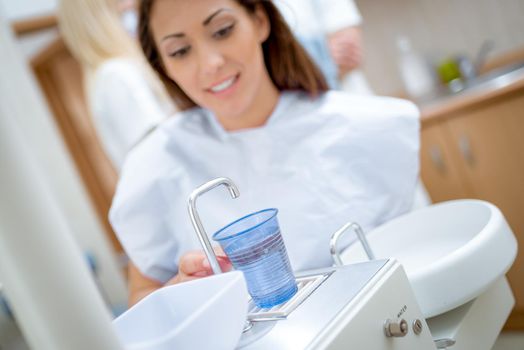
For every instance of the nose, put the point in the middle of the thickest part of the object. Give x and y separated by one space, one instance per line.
211 60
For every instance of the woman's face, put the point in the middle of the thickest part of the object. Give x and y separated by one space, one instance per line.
212 50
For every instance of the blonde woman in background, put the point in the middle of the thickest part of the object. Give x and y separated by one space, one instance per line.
125 97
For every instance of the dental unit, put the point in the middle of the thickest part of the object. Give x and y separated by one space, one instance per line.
407 297
392 300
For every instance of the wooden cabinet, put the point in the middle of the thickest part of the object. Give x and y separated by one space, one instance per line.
478 152
439 173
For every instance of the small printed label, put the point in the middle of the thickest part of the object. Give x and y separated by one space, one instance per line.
401 312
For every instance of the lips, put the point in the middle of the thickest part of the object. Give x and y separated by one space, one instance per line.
223 85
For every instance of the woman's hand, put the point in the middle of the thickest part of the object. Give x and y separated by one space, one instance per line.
194 264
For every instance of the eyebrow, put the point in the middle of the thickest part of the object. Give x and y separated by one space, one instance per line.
205 23
207 20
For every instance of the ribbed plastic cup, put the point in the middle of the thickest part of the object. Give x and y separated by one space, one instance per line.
255 246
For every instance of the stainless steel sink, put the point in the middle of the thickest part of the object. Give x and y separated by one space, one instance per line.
490 81
496 78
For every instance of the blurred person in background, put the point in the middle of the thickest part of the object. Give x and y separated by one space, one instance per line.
330 31
125 97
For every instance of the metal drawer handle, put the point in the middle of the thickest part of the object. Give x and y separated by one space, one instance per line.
436 157
465 149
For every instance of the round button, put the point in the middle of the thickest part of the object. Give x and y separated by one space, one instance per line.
395 329
417 326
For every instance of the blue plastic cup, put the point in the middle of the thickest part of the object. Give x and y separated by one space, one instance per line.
255 246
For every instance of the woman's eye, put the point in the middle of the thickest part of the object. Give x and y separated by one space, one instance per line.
224 32
180 53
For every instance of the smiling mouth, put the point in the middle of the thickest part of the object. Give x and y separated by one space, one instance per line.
224 85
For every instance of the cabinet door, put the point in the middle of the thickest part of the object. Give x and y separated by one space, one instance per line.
438 171
490 146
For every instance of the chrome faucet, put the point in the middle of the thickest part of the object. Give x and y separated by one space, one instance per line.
482 55
361 237
471 68
195 219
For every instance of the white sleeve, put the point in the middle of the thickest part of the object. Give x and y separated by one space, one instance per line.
124 108
338 14
141 218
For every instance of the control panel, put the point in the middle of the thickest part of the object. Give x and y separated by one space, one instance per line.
384 316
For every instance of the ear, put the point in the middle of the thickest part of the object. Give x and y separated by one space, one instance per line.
263 26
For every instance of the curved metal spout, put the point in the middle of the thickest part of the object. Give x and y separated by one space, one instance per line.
361 237
195 219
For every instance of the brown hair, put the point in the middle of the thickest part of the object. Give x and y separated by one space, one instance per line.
288 64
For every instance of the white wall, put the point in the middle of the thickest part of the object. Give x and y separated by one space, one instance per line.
20 9
31 44
437 28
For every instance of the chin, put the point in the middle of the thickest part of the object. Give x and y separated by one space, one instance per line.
231 110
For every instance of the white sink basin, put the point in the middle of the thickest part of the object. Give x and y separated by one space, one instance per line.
207 313
451 251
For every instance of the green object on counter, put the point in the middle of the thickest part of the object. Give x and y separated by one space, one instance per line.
448 70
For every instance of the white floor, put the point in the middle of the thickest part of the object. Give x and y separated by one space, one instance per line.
510 341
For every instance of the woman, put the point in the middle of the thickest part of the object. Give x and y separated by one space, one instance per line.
256 110
125 97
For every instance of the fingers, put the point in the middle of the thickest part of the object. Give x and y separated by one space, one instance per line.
195 263
179 278
223 261
225 264
191 263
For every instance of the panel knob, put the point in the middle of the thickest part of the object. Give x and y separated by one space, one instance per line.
417 326
395 329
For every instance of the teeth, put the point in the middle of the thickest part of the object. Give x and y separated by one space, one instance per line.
223 86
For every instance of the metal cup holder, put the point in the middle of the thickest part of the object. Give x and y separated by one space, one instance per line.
306 285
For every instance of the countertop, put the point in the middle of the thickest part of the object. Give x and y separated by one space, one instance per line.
491 85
